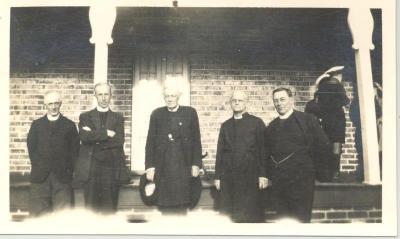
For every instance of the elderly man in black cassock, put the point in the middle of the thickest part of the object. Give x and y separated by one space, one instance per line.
292 140
240 170
173 152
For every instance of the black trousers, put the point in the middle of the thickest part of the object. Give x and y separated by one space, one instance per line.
101 191
293 195
49 195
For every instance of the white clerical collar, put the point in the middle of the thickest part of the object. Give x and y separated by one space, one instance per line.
239 116
287 115
99 109
174 109
53 118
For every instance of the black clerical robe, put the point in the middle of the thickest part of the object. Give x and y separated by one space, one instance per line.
173 145
239 164
295 147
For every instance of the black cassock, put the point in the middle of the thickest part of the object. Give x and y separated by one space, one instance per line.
172 147
295 146
239 164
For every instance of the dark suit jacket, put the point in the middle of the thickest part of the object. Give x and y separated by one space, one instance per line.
156 143
317 143
52 150
111 148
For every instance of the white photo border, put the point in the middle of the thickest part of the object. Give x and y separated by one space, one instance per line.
388 227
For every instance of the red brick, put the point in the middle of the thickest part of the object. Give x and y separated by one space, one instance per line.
334 215
341 221
358 214
351 167
318 215
375 214
370 221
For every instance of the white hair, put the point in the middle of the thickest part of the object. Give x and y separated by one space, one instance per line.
49 94
174 85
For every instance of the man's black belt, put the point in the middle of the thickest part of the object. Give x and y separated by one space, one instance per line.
288 157
277 163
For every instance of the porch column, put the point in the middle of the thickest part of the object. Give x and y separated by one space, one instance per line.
361 26
102 18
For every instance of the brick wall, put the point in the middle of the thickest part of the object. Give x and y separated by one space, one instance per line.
75 84
347 215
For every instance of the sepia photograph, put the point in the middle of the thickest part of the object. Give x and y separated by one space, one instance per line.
130 117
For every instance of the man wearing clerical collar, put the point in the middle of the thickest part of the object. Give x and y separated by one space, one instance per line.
101 157
292 140
53 146
173 152
240 164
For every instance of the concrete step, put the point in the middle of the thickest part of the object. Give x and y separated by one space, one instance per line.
333 202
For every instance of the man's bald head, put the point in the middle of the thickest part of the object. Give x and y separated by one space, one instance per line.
102 92
52 96
239 101
239 94
52 101
102 87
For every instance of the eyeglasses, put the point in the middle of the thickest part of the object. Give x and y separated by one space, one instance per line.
54 104
237 101
170 96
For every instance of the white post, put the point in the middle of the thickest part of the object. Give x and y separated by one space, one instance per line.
102 18
100 63
361 26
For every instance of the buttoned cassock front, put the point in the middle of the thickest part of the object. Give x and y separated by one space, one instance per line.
173 145
240 161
